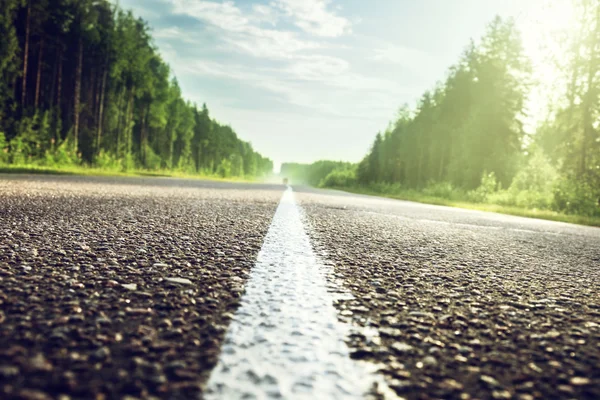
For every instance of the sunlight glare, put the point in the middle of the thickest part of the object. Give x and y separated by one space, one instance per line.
542 24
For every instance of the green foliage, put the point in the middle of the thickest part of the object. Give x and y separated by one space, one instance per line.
443 190
9 59
464 141
312 174
341 177
153 160
127 162
224 170
64 155
19 151
489 185
538 175
576 197
107 161
4 156
105 95
462 128
532 187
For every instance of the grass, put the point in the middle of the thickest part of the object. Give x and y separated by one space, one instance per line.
91 171
495 208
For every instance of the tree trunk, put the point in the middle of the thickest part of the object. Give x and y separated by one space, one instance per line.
101 110
78 92
91 92
129 127
119 128
143 132
53 86
59 81
25 59
39 74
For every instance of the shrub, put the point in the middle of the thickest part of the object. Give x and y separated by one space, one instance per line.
224 170
444 190
339 178
153 160
488 186
106 160
537 176
65 154
127 163
386 188
3 149
575 197
532 187
19 151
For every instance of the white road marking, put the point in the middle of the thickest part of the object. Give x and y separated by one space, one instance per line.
285 340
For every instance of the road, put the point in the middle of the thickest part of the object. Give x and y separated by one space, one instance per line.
141 287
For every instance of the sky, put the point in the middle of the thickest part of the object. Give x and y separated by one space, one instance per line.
304 80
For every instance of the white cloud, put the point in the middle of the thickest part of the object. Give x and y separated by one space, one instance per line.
224 15
243 33
324 91
286 63
269 43
317 67
313 17
173 32
264 14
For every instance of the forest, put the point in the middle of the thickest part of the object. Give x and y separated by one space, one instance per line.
465 139
83 84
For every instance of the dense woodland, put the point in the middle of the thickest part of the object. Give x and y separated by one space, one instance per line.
83 83
465 139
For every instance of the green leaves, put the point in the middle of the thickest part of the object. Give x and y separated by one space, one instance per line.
468 125
127 108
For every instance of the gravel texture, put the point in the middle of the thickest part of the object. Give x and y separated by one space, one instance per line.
116 288
465 304
124 288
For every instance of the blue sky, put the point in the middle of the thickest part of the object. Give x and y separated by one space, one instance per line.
314 79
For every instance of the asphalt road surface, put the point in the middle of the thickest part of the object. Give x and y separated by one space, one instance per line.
125 288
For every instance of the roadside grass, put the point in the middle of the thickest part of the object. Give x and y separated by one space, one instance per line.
495 208
91 171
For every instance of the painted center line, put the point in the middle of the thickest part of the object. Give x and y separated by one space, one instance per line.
285 340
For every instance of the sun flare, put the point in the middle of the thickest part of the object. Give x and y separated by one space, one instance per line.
543 25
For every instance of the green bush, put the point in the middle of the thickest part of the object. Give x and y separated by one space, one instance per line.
537 176
339 178
106 160
386 188
153 160
444 190
19 151
312 174
574 197
534 199
489 185
224 170
65 154
532 187
127 163
3 149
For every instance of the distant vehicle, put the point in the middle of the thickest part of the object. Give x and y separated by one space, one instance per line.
285 181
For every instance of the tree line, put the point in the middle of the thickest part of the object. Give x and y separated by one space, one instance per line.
83 83
466 137
311 174
463 127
